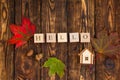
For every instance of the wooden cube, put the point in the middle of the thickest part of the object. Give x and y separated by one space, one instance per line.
74 37
85 37
50 37
62 37
39 38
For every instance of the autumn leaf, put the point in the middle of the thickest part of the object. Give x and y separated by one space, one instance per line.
55 66
106 44
22 33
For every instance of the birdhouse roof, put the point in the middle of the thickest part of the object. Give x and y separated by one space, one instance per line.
84 51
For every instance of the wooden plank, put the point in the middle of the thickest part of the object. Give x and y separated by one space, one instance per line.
99 19
10 58
116 7
106 20
117 26
61 26
74 24
44 24
17 22
26 66
100 22
80 19
110 24
88 15
4 20
6 56
48 17
35 16
87 18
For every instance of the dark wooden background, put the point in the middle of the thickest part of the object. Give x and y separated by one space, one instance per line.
56 16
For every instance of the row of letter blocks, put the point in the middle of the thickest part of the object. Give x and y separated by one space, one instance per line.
61 37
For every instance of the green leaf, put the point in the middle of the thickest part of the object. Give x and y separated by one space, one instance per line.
51 71
55 66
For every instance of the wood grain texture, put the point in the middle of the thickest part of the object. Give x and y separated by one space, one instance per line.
10 54
61 26
100 25
2 63
117 18
27 68
74 24
48 17
35 16
106 20
44 24
54 16
6 51
117 21
110 24
87 19
18 16
3 21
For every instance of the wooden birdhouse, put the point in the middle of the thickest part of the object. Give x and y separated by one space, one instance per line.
86 57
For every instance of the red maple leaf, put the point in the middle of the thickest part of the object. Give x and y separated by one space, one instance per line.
22 33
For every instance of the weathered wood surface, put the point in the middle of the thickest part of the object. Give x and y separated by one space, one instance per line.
6 51
56 16
107 18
